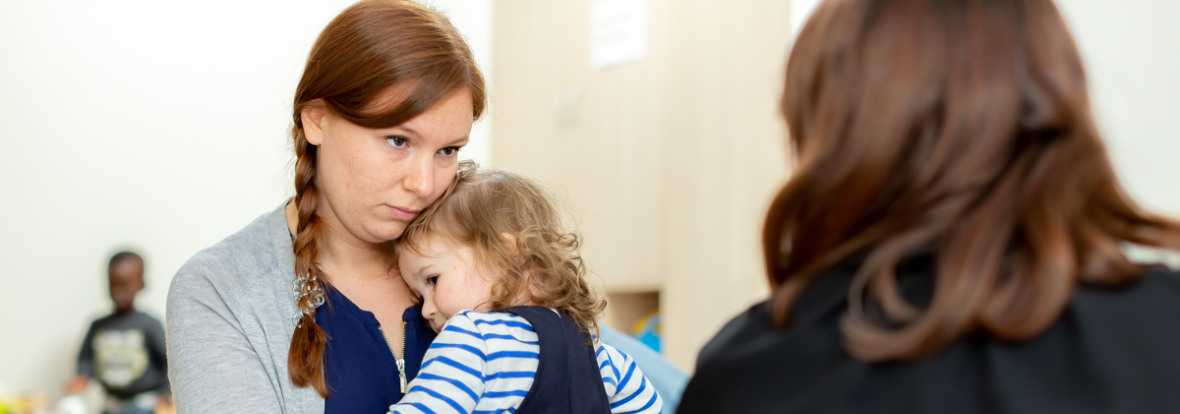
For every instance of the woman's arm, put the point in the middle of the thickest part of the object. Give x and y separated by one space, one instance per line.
213 365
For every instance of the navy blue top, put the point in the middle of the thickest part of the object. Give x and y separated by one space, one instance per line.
568 378
358 365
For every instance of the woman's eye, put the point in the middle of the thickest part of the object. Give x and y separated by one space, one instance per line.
449 151
396 141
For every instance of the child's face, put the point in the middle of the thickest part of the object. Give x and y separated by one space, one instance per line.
447 278
126 280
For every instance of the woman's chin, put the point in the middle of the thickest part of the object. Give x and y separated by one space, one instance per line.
387 232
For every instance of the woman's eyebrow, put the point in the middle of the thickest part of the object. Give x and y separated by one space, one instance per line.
454 142
412 131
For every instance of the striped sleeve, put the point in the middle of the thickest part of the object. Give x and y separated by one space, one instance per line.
628 389
479 363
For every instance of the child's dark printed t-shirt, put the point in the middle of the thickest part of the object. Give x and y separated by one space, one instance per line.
126 354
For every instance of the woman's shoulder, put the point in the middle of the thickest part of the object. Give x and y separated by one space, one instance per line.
1147 309
1158 286
752 323
251 261
258 247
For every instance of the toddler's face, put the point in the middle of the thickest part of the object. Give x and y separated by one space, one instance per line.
446 277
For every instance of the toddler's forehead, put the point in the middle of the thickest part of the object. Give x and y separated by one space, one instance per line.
432 244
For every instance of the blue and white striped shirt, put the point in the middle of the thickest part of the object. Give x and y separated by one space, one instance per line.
485 363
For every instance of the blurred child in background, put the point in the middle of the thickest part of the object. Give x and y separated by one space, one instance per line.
124 351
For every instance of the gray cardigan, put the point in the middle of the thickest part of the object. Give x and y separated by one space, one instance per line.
229 325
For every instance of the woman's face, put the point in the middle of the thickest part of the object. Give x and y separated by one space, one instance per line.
372 182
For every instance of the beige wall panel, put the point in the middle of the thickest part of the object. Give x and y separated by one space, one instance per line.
672 159
726 157
606 162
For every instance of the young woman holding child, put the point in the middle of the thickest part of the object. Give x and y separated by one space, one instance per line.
387 98
302 311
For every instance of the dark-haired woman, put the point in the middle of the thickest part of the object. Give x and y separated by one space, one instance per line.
301 311
950 239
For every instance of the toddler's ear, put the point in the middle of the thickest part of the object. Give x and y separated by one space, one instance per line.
524 296
510 241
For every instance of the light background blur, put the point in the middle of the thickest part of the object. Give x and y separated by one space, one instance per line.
162 127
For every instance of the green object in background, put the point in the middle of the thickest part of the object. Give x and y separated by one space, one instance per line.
7 403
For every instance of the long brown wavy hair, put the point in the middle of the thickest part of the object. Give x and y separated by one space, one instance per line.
540 264
366 50
962 125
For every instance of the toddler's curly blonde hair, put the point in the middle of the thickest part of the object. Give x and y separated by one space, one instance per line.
539 262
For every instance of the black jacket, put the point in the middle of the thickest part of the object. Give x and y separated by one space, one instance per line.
1112 351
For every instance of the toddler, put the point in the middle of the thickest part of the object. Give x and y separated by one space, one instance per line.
124 351
503 285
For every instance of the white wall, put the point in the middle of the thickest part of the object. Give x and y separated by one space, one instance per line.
1132 54
800 12
158 126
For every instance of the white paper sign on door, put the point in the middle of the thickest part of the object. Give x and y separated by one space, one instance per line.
618 32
